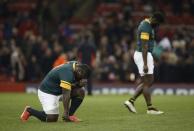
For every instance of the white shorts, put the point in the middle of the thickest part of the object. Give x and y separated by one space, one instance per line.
50 103
138 59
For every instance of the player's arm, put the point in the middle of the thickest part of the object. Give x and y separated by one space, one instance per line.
144 36
66 91
66 99
80 83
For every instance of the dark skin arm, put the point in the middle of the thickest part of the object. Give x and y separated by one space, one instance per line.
144 54
66 99
66 95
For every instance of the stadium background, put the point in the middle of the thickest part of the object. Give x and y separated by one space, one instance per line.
35 35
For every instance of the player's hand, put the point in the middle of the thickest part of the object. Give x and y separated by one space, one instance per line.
80 83
145 69
66 119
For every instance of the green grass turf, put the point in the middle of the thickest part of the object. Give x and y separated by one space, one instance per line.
103 113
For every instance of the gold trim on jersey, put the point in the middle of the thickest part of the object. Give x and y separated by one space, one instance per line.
144 36
65 84
147 20
74 65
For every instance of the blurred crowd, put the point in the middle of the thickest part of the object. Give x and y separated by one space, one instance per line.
32 42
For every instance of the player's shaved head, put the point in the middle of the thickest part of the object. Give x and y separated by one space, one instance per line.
158 17
82 71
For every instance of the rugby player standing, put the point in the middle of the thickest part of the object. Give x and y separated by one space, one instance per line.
144 60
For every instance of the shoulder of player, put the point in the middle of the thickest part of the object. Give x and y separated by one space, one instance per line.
64 66
66 71
72 62
144 24
145 28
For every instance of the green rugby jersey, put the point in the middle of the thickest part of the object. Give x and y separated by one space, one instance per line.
145 32
59 77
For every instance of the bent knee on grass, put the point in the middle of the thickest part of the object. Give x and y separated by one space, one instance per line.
52 117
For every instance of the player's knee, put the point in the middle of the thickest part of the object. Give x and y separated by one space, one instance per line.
78 92
148 80
151 81
52 118
81 93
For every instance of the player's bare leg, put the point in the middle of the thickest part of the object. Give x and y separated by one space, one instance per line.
130 103
143 87
52 117
148 81
138 91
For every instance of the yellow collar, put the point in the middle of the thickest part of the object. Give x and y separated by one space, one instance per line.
147 20
74 65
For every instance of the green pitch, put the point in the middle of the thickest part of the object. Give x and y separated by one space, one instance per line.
103 113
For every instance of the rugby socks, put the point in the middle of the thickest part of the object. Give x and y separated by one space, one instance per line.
38 114
75 103
150 106
132 100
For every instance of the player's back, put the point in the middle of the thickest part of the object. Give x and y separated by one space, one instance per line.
51 82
